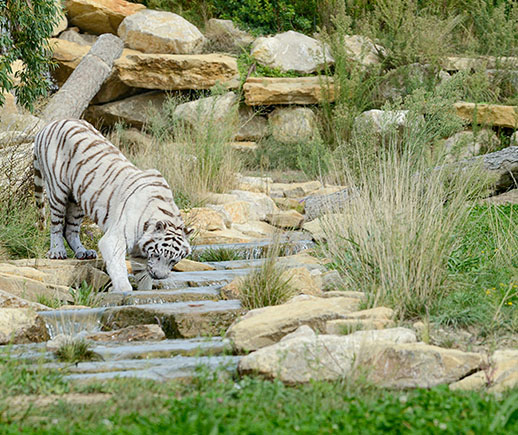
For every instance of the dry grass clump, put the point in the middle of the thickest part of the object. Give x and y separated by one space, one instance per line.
75 350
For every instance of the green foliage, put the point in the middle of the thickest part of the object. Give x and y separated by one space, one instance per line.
245 62
49 301
75 350
85 294
24 32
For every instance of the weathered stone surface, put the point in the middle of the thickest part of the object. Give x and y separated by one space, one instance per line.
304 356
382 121
178 71
301 90
286 219
319 204
220 237
74 36
488 114
8 300
466 144
295 190
21 325
374 318
254 184
252 126
9 106
363 50
131 333
204 219
131 138
186 265
225 36
31 289
68 54
291 51
237 211
266 326
100 16
293 124
260 203
132 111
256 229
244 147
210 111
457 63
161 32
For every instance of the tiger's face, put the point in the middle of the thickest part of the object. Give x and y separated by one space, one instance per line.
164 245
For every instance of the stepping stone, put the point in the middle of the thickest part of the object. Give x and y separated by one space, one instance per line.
160 296
197 279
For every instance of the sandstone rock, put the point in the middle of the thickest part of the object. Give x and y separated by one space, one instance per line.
457 63
62 22
220 237
186 265
225 36
204 219
237 211
177 71
161 32
301 280
210 111
293 124
272 323
286 219
252 126
318 227
131 333
289 203
23 122
131 138
363 50
466 144
244 147
301 90
254 184
100 16
331 280
260 203
291 51
374 318
256 229
382 121
132 111
304 356
488 114
31 289
74 36
21 325
295 190
220 198
9 106
8 300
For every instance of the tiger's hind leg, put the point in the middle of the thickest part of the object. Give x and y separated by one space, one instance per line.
73 218
57 207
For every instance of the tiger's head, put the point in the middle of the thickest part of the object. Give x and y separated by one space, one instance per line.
164 244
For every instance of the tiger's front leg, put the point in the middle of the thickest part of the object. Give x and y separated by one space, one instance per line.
113 250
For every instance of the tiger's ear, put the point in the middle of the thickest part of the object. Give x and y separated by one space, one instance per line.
188 231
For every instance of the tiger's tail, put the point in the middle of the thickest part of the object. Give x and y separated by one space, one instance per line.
39 194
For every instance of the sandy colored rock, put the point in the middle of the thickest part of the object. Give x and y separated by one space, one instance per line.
291 51
9 105
220 237
31 289
459 63
252 125
295 190
62 22
225 36
8 300
286 219
187 265
178 71
303 356
254 184
131 333
210 111
272 323
21 325
374 318
100 16
152 31
363 50
244 147
300 90
256 229
74 36
488 114
204 219
238 211
260 204
133 111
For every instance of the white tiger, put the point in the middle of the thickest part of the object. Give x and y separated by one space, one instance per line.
84 173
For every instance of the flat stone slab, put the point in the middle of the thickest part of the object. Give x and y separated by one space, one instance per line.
161 369
179 319
198 279
491 114
140 297
261 91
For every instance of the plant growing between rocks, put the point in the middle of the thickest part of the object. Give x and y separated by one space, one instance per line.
74 350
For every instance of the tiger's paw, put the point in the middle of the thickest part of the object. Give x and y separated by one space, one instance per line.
89 254
57 254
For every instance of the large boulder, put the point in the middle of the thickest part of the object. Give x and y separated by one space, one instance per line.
209 111
178 71
260 204
292 125
61 23
265 326
223 35
363 50
204 219
252 126
291 51
488 114
132 111
161 32
263 91
100 16
73 35
21 325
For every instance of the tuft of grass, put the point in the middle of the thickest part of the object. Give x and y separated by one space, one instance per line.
75 350
218 254
85 294
266 285
49 301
